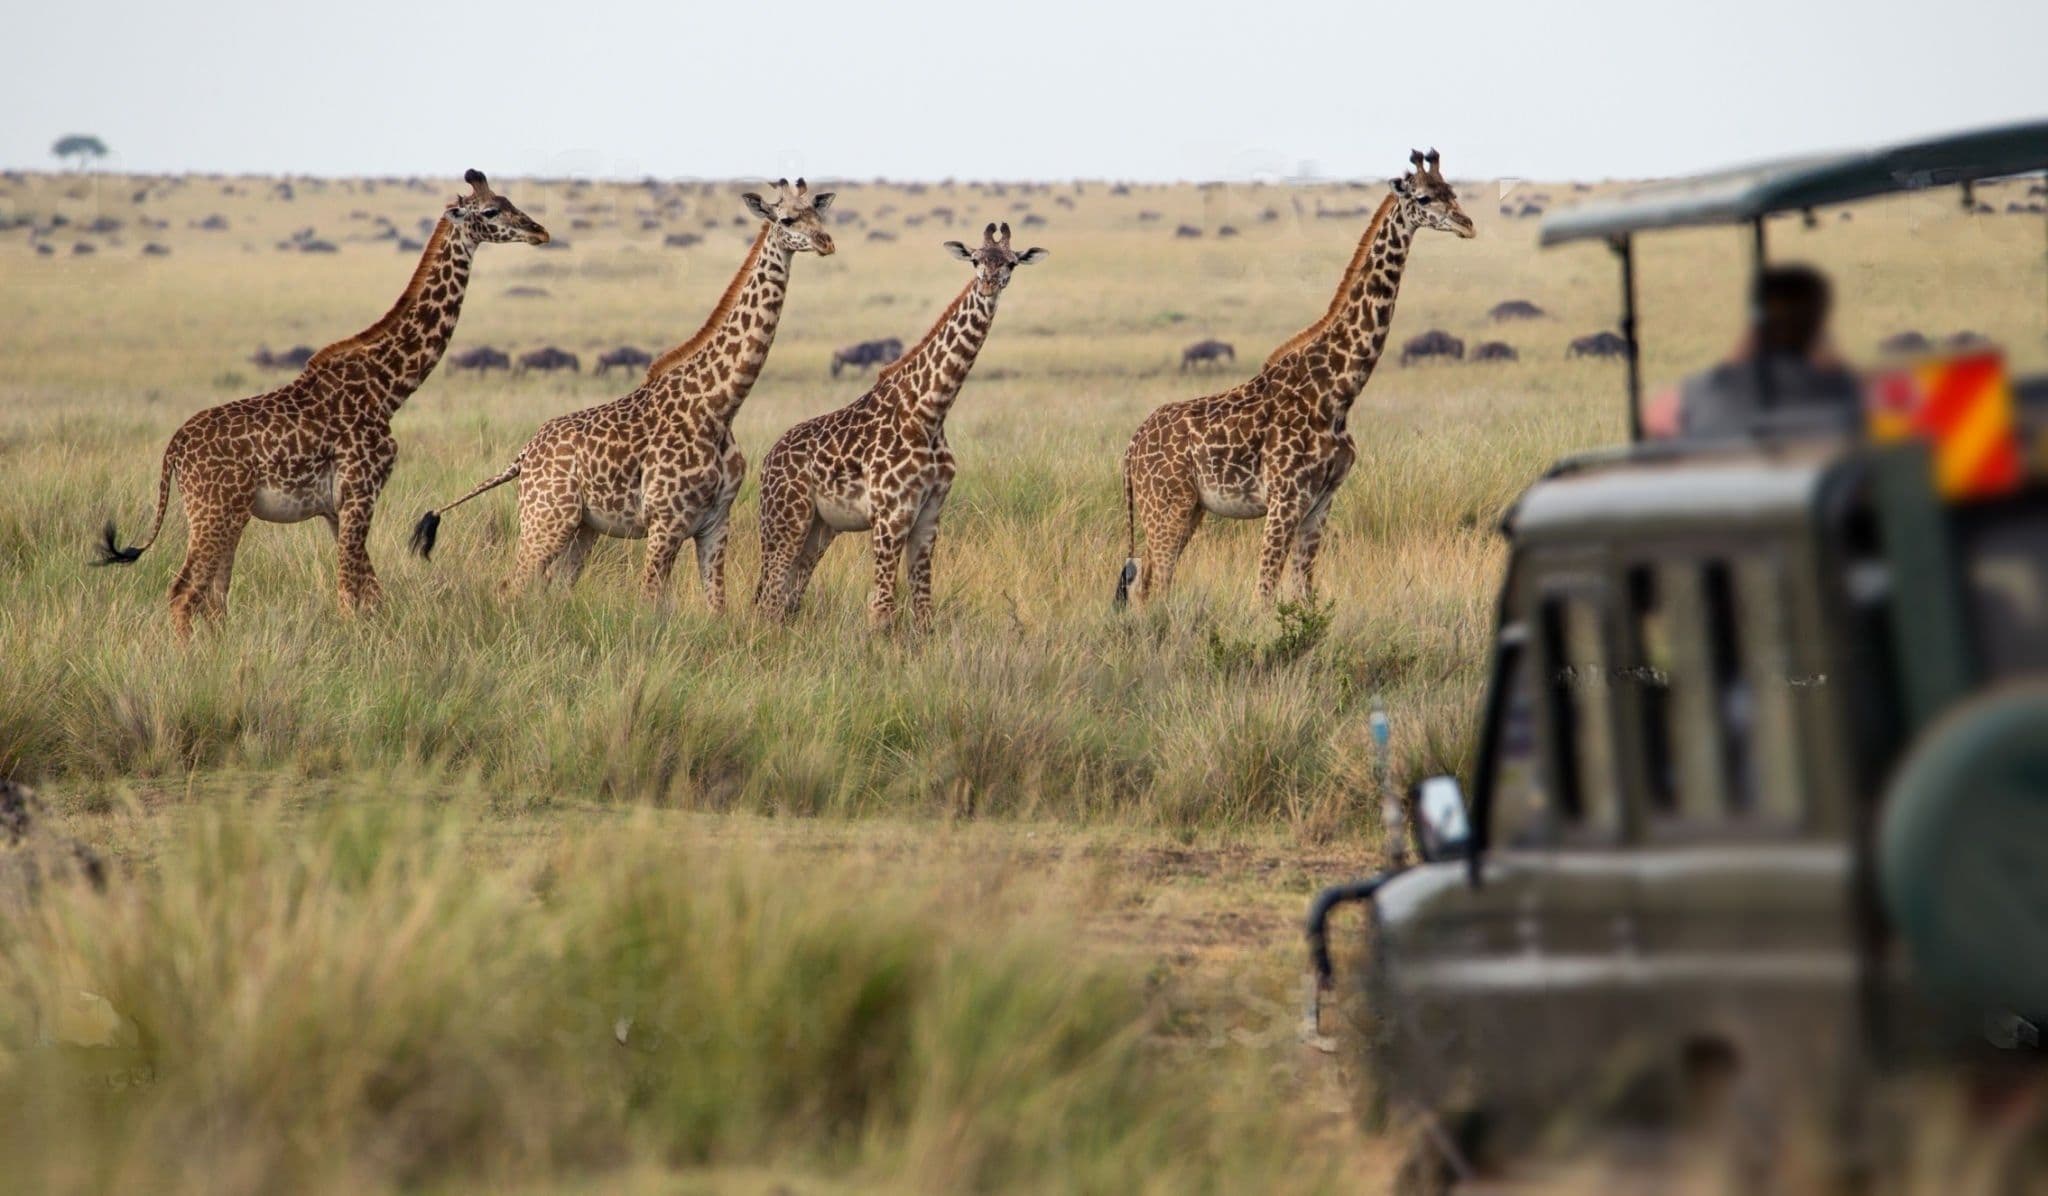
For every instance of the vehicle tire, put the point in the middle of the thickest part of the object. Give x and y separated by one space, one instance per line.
1963 835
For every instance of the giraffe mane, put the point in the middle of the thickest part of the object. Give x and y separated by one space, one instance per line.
1344 284
689 348
421 275
889 372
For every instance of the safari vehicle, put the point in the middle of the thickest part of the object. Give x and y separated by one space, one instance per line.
1761 787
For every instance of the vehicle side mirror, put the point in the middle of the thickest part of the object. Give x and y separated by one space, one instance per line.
1443 831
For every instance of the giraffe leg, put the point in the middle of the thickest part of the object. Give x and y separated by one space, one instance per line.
568 566
664 541
1283 520
213 601
1170 522
359 588
810 551
923 538
711 560
547 528
210 529
787 521
1308 540
892 534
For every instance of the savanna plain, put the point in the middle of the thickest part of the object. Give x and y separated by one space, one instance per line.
570 892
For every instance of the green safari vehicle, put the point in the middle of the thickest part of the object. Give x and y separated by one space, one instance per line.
1761 789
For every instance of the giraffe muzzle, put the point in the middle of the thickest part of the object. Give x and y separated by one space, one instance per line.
823 244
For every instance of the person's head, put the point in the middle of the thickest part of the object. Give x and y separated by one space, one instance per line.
1791 309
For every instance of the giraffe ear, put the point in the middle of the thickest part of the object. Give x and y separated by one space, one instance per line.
1399 185
1033 254
757 205
958 250
821 201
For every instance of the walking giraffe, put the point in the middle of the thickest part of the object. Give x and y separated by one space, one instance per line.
1277 445
321 444
661 462
881 462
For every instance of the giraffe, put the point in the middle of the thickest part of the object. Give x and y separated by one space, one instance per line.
320 445
660 462
881 462
1277 445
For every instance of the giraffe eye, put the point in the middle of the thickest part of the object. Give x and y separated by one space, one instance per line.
487 213
1424 200
788 220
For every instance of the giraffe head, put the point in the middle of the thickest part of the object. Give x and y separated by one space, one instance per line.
1426 200
995 259
486 215
796 217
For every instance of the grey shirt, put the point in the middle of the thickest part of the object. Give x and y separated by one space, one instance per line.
1792 395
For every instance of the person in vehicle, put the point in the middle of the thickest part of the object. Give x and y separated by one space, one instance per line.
1784 376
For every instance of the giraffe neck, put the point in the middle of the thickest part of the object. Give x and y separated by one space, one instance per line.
715 370
391 358
1339 351
926 380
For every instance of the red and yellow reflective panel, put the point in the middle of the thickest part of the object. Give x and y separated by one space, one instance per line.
1963 407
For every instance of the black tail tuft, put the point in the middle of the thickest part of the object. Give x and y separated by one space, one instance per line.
110 554
1123 582
424 533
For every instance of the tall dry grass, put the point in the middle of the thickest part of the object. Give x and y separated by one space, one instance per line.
386 994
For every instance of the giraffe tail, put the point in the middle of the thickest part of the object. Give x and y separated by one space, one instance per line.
109 550
1130 572
428 529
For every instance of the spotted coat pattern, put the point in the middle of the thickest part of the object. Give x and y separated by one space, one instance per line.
881 463
321 444
1278 446
661 463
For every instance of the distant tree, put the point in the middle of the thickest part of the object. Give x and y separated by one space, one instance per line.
80 147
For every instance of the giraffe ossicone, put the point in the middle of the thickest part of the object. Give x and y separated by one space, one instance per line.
660 463
881 463
1278 446
321 444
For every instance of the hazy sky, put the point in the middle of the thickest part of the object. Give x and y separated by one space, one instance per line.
1057 89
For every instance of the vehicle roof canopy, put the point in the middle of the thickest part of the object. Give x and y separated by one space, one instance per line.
1652 496
1750 193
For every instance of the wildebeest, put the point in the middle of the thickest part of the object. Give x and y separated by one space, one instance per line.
681 240
1908 341
482 359
1965 340
1434 343
1206 352
625 357
1495 351
1514 309
526 292
1187 230
867 353
1597 344
156 249
294 358
548 360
